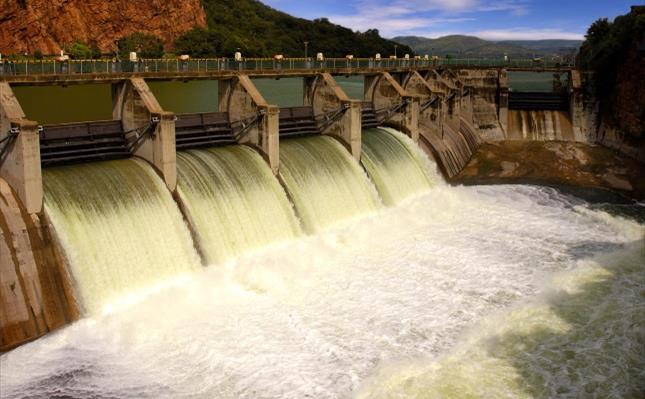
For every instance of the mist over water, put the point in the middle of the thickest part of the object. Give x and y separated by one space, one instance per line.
493 291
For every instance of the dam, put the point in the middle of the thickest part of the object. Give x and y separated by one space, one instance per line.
267 250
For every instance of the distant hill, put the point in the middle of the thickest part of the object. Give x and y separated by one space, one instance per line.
259 30
461 45
554 46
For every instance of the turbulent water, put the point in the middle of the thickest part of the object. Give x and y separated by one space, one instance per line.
119 227
234 202
497 291
325 183
394 166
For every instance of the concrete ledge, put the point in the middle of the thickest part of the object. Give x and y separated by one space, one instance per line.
20 164
35 297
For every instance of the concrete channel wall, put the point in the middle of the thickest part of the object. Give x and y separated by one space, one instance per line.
447 112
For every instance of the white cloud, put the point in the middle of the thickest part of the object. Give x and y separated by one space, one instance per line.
410 17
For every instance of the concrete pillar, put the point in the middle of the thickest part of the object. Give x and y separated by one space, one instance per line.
20 164
430 116
247 108
577 108
385 92
326 97
502 107
136 106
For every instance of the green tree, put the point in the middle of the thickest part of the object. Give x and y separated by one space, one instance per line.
38 54
95 50
608 46
79 51
146 46
200 43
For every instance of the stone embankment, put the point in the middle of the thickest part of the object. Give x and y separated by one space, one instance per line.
555 162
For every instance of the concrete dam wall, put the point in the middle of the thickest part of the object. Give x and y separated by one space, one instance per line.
93 214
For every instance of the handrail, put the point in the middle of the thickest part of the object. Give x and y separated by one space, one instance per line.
168 65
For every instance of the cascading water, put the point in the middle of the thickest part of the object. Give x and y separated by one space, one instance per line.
233 200
326 185
539 125
395 168
489 291
119 227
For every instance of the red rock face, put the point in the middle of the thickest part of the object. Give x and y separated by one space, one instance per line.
28 25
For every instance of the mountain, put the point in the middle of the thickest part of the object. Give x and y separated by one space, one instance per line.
551 46
256 29
47 25
461 45
259 30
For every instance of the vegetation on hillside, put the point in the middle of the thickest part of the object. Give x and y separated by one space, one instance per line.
607 45
614 51
261 31
146 46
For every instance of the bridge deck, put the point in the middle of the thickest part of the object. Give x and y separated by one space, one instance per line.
113 77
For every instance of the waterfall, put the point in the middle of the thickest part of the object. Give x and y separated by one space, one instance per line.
119 228
324 182
392 164
539 125
233 200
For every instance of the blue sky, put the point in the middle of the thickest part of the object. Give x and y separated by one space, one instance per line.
489 19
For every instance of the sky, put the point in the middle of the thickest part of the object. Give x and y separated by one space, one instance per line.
488 19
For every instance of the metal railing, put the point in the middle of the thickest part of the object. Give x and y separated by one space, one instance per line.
55 67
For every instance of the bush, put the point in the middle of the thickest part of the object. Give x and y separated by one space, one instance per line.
146 46
95 50
80 51
38 55
606 46
200 43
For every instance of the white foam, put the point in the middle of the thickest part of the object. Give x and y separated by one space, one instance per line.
320 315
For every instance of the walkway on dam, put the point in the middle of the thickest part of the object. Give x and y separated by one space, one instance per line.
70 71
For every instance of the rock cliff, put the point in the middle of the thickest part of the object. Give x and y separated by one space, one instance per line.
28 25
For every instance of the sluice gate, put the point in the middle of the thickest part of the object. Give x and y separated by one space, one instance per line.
82 142
297 121
543 101
369 118
204 129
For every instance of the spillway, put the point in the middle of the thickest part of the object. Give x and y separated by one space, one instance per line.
539 125
119 228
392 164
325 183
233 200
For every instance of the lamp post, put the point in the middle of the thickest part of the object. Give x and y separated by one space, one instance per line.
306 43
395 46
